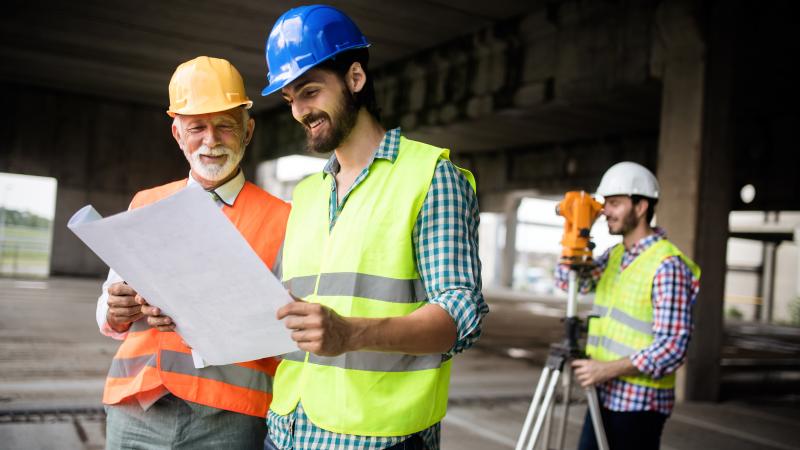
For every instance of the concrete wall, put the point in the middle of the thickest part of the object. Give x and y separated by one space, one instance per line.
100 151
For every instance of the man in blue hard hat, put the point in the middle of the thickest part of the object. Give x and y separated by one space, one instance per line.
381 252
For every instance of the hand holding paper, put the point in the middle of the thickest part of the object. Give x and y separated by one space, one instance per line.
185 257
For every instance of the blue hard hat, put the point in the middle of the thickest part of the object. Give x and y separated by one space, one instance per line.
305 36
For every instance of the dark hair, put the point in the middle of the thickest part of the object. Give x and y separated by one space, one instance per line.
651 205
341 63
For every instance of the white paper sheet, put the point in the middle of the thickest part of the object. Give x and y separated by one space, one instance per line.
183 255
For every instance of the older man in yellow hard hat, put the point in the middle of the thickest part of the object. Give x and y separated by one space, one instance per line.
155 396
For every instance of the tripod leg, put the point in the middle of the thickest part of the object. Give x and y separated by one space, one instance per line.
548 425
523 435
548 398
597 419
562 426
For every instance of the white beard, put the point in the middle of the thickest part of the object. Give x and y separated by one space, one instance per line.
215 172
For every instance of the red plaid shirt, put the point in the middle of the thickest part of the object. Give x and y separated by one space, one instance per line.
674 292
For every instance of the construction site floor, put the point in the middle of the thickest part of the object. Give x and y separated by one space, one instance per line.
53 362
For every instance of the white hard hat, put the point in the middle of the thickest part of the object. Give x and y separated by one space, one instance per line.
628 178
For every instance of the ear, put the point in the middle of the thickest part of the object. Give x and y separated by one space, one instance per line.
176 132
251 126
356 78
641 208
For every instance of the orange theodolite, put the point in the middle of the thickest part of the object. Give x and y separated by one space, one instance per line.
580 211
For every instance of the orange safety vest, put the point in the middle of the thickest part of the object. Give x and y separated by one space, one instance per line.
149 359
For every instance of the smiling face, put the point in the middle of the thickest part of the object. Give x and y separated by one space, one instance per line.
621 214
214 143
321 102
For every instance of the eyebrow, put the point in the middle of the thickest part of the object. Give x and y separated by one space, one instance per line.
303 82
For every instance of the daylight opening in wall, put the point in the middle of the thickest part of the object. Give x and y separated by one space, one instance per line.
280 176
27 207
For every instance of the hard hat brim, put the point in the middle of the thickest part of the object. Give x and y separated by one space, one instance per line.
246 105
280 84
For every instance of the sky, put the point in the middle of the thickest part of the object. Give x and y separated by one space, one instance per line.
28 193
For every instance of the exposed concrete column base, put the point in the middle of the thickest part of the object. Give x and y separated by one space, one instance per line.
510 248
695 170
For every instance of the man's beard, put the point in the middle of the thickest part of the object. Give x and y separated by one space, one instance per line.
340 125
629 223
215 172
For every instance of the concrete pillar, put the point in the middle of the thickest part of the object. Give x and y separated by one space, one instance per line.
797 280
695 168
510 247
770 250
69 255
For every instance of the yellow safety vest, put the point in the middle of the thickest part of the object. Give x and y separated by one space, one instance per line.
363 267
624 304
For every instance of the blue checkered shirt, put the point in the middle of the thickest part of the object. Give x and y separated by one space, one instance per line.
445 238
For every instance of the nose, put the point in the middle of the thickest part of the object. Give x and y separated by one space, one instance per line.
299 110
211 136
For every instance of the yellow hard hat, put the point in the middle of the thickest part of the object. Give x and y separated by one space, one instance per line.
205 85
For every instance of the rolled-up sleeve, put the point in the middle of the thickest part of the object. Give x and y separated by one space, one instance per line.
445 240
587 279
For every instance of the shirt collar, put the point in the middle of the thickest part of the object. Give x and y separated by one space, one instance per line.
227 192
387 149
645 242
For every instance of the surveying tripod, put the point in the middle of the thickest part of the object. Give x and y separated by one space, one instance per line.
580 211
558 366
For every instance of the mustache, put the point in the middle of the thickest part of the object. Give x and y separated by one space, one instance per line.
215 151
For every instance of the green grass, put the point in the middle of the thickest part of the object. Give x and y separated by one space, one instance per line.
24 250
14 232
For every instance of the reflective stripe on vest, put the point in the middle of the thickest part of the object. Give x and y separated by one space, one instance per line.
148 358
130 367
359 285
623 317
625 309
139 325
363 267
371 361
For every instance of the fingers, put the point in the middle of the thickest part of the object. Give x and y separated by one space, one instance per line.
162 323
125 305
121 289
156 318
298 308
294 322
307 336
311 347
582 371
122 307
122 301
150 310
124 311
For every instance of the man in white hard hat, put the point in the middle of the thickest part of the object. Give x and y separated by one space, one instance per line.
154 396
645 288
